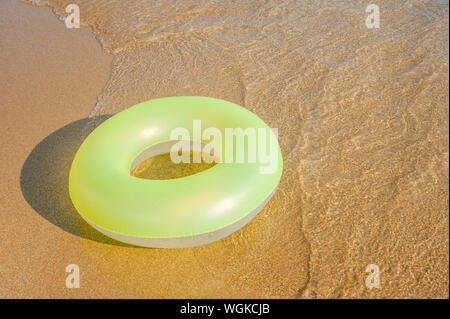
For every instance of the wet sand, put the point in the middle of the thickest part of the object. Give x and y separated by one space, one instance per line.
363 120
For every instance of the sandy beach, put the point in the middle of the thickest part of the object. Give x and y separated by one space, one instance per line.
363 127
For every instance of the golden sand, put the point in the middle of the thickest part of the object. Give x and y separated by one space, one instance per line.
363 125
50 77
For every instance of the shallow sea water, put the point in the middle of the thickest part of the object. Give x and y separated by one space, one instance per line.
362 116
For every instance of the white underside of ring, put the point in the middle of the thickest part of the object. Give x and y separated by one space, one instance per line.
184 241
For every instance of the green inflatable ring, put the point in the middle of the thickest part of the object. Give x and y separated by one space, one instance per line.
187 211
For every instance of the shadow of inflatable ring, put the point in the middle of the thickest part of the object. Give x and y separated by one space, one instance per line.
45 174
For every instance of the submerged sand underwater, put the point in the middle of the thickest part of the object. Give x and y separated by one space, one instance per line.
362 116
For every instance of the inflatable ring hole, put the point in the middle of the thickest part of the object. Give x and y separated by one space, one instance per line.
155 162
